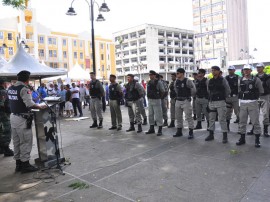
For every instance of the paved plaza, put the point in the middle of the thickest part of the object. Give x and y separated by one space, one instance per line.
122 167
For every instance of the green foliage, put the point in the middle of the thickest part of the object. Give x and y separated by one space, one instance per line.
18 4
79 185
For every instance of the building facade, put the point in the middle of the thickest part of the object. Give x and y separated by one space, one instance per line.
56 49
221 30
153 47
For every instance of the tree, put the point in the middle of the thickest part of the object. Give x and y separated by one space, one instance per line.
19 4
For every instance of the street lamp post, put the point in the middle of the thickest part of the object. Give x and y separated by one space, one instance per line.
102 8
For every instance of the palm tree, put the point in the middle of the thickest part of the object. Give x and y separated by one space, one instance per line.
18 4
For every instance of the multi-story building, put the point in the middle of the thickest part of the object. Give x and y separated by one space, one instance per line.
221 29
56 49
153 47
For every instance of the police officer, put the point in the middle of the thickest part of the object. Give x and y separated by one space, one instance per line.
195 75
185 89
232 101
173 100
164 99
20 100
219 90
264 98
115 95
250 90
141 104
5 129
134 93
201 100
155 91
96 92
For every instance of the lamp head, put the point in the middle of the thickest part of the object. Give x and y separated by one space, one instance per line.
104 8
71 12
100 18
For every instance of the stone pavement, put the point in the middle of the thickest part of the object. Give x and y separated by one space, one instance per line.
120 166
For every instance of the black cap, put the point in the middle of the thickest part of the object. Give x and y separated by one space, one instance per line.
112 75
23 75
152 72
93 73
173 74
160 76
3 80
202 71
216 68
157 76
131 75
180 70
68 86
194 73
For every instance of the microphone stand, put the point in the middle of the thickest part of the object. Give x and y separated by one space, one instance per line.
53 121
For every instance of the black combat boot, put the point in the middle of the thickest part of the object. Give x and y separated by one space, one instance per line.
100 124
242 140
1 150
190 134
151 130
172 124
194 117
94 125
165 123
7 151
251 132
257 141
159 131
178 133
18 166
139 128
228 125
113 128
236 121
131 127
144 121
198 126
119 128
26 167
265 131
225 138
210 137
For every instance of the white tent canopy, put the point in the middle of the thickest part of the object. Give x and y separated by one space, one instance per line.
2 62
23 61
78 73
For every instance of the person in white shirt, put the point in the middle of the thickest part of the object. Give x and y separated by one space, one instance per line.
83 91
51 91
75 95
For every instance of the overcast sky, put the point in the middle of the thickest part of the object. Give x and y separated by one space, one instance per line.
128 13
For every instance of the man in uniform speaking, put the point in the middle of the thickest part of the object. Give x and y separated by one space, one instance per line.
21 102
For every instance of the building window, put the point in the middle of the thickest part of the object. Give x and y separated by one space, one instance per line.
108 57
81 44
1 50
55 65
75 55
74 42
102 68
54 53
50 54
101 46
81 55
9 36
65 54
102 56
10 50
41 39
1 35
52 41
65 65
41 53
51 64
64 42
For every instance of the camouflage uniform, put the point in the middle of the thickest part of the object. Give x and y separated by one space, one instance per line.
5 128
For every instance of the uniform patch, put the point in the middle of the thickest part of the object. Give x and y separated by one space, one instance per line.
29 92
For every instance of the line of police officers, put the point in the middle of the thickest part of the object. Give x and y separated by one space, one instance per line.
216 97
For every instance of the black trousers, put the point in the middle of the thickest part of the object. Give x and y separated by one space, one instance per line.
76 103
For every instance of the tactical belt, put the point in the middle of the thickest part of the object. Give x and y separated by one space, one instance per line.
183 98
25 116
201 97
